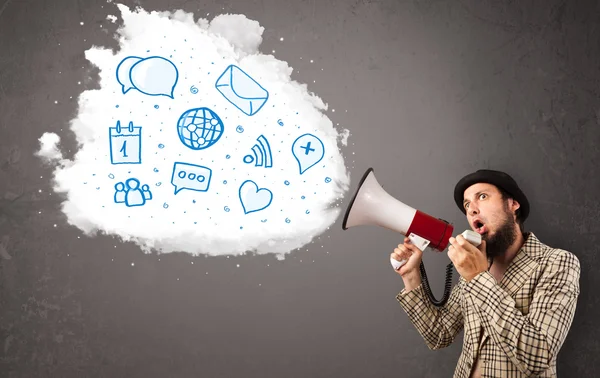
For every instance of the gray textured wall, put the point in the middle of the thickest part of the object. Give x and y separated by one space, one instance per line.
433 89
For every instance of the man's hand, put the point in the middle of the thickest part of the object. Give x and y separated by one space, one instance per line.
410 252
410 272
468 260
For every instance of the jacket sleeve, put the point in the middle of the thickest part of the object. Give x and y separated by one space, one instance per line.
437 325
530 341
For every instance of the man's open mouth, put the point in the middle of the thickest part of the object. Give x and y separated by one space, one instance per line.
479 227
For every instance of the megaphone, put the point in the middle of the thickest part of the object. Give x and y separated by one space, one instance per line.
372 205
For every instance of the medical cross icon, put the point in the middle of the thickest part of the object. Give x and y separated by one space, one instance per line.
307 148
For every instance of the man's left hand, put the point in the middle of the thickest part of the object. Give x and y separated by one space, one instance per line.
468 260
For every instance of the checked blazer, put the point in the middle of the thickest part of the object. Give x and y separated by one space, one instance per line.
515 327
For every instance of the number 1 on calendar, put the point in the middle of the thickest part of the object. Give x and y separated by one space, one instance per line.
124 149
125 144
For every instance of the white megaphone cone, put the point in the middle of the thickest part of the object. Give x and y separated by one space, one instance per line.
372 205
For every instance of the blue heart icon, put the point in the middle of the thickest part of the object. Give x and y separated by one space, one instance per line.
254 199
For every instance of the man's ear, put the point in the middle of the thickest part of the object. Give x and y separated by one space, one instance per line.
514 204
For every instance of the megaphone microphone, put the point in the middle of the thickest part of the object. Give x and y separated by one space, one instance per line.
372 205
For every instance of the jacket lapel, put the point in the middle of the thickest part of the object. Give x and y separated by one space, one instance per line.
522 266
517 273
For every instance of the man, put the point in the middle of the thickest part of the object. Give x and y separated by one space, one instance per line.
516 296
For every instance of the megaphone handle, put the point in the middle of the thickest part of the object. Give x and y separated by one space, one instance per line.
397 264
420 242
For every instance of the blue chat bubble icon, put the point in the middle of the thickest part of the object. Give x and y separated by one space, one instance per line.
153 76
123 70
308 151
190 176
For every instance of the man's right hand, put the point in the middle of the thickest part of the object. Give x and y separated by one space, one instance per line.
410 270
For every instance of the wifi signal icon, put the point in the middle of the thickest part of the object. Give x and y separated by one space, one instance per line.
262 154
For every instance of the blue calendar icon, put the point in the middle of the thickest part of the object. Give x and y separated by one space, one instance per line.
125 144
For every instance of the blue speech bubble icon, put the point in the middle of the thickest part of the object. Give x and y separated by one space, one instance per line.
308 151
191 177
123 70
152 76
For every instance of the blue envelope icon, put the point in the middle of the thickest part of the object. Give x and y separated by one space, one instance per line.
241 90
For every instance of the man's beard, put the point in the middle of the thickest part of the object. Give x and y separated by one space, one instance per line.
504 237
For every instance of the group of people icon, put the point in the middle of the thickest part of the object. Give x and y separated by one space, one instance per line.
130 193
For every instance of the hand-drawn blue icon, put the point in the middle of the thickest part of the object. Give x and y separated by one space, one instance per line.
241 90
125 144
280 122
147 192
193 89
262 154
152 76
190 176
130 193
239 129
254 199
199 128
308 151
123 72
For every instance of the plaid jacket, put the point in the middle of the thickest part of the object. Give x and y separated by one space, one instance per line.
516 327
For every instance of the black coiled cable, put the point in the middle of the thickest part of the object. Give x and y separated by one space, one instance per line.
447 286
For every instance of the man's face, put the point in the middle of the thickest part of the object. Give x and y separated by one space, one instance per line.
491 216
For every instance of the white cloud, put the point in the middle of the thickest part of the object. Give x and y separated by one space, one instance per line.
212 221
49 147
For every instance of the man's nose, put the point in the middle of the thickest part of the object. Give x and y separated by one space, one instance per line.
472 210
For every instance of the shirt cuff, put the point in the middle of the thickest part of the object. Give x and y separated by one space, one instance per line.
408 298
403 292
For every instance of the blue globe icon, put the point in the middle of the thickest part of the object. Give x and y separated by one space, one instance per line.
199 128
